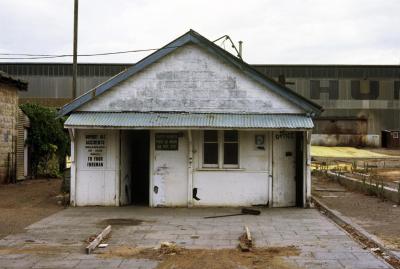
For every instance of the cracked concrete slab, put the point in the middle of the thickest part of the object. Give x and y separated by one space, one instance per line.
58 241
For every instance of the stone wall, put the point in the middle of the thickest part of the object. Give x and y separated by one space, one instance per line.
8 120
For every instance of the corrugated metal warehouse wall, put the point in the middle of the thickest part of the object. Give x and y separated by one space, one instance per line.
51 83
358 100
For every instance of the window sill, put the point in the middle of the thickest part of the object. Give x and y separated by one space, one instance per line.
219 169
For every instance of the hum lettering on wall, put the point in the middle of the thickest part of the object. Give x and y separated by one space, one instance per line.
96 150
359 90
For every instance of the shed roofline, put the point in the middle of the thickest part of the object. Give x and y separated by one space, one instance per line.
193 37
20 84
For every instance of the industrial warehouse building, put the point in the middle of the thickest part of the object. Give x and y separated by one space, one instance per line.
360 101
190 125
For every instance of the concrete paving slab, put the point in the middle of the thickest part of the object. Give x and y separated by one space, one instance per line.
321 243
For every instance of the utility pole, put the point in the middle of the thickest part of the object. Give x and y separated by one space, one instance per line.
75 53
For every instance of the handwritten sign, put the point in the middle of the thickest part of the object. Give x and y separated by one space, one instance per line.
96 147
167 141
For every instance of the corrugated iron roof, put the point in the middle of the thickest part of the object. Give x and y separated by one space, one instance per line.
187 120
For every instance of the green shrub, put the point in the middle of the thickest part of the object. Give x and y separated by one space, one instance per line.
49 166
48 140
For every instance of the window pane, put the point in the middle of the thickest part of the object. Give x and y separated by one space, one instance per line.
211 153
231 153
230 136
210 136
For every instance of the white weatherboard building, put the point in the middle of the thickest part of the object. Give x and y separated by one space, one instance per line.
190 125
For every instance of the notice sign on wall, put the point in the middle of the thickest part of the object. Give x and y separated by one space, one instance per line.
284 135
167 141
96 150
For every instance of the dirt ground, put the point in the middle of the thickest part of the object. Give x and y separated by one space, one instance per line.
178 257
389 176
392 152
27 202
381 218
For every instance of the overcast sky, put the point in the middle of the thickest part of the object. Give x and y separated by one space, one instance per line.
273 31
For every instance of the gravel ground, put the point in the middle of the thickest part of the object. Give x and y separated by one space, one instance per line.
27 202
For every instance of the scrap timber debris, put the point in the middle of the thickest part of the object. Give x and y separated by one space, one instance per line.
171 256
245 240
98 239
244 211
168 248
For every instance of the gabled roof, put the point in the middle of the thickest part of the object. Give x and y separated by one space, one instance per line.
192 37
20 84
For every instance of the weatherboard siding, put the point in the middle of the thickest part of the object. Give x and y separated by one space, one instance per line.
246 185
190 79
96 185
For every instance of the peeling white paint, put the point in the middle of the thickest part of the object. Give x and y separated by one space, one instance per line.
247 185
97 185
159 190
250 184
284 169
170 173
231 188
190 79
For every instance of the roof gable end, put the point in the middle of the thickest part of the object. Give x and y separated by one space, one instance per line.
193 37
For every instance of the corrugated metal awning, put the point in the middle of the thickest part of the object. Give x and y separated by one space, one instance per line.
187 120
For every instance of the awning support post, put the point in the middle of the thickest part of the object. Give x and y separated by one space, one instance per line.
72 135
190 170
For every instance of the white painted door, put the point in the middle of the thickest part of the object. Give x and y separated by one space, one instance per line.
97 167
284 169
170 173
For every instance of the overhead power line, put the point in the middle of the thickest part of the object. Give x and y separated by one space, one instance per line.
28 56
45 56
31 56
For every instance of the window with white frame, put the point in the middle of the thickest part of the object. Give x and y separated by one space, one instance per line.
221 149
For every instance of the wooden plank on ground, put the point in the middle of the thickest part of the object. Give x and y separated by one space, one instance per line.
98 239
248 235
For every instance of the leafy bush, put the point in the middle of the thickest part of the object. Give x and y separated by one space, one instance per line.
49 166
48 140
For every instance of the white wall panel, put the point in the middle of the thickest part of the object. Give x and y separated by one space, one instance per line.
97 185
170 173
247 185
231 188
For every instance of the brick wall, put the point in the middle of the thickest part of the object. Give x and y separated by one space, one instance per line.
8 119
